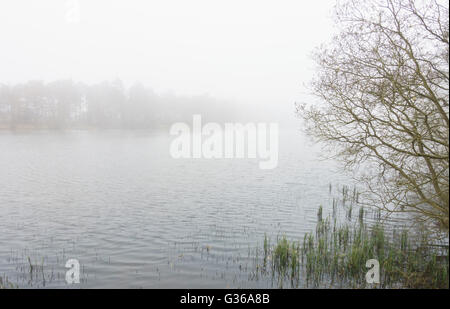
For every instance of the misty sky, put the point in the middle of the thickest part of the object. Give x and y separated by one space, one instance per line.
240 50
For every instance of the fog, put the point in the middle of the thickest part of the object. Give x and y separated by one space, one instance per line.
176 144
251 54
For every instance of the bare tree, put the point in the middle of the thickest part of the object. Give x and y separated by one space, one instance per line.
383 84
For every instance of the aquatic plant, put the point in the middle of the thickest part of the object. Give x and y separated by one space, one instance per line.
6 284
336 255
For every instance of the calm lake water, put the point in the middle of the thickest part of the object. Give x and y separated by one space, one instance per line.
135 217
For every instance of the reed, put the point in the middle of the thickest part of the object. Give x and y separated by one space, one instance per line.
6 284
336 254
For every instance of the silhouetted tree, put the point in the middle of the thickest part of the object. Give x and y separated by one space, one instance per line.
66 104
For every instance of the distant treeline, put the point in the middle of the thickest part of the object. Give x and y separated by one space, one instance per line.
68 104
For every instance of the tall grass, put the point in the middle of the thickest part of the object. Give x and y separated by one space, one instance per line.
335 255
6 284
